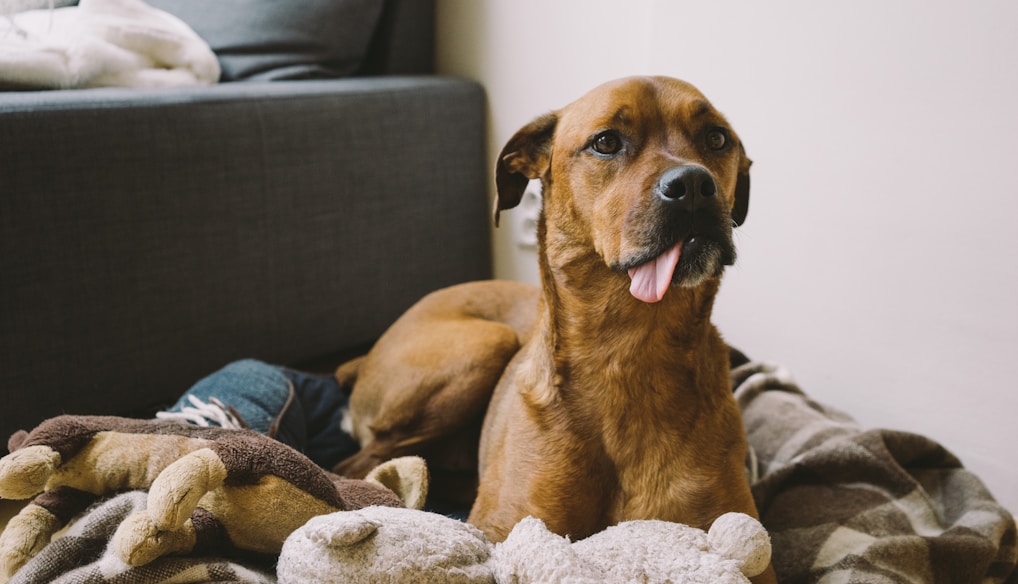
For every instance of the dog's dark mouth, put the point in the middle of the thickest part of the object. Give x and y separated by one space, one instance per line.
688 263
703 257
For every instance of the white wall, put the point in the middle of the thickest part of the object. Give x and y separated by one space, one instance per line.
878 261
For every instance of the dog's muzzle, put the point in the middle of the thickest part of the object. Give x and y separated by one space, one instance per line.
698 242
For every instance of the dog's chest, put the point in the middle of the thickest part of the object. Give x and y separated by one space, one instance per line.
661 447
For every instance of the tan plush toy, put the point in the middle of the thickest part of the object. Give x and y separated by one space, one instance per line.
208 488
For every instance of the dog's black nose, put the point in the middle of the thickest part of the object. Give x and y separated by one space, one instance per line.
686 184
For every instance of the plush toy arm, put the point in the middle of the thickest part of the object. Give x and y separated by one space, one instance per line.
25 536
31 529
165 527
25 472
96 454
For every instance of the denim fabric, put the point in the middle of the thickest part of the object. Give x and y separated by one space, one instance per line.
301 410
322 403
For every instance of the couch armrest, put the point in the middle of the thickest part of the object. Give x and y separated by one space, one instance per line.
150 237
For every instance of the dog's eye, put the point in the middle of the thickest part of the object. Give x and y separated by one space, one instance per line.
716 139
606 143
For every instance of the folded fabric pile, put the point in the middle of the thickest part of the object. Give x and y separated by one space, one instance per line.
123 43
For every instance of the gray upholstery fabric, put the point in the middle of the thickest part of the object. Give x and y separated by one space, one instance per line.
149 238
273 40
404 41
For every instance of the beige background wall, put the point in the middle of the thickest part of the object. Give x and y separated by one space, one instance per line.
879 259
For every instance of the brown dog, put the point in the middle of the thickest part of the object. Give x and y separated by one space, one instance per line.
616 404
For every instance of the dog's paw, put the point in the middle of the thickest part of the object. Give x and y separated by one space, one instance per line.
25 472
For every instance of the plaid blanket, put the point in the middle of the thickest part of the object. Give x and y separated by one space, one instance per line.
82 555
846 504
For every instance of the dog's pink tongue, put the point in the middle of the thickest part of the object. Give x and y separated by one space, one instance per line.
651 280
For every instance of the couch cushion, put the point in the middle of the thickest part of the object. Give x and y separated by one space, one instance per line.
274 39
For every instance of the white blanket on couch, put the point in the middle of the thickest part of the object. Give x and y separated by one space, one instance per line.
123 43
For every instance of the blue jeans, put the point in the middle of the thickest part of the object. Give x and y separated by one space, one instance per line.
302 410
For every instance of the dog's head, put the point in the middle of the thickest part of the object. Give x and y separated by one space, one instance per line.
642 170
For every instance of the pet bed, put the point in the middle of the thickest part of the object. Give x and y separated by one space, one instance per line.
841 503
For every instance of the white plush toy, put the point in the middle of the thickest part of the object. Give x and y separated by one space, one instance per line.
380 544
375 545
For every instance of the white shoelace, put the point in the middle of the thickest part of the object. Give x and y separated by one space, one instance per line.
204 414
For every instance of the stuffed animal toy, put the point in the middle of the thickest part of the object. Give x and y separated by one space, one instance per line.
209 489
734 549
389 545
385 545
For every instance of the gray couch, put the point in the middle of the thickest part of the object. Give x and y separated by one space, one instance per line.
149 237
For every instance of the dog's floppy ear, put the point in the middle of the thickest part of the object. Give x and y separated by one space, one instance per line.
526 156
741 206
